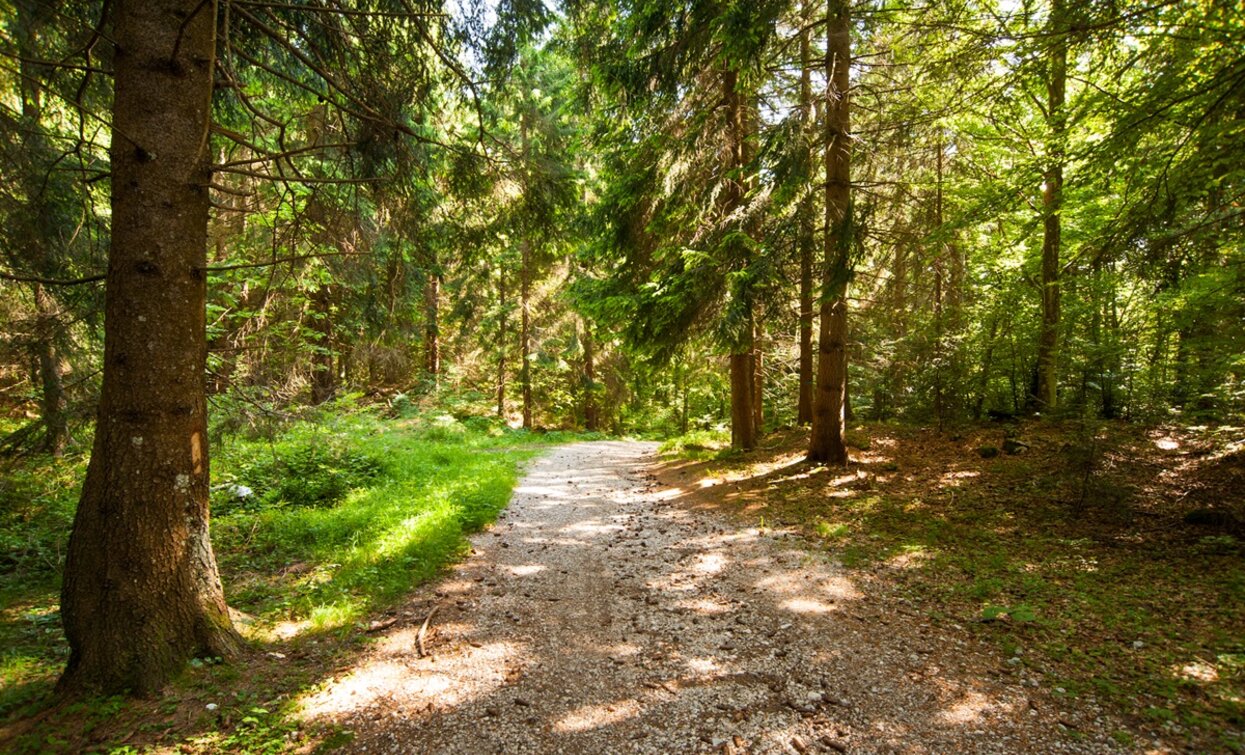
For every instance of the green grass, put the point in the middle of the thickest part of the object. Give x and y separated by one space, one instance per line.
346 514
699 445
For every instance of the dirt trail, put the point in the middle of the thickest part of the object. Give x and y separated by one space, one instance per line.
601 616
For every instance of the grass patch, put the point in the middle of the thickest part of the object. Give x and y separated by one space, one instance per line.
315 530
699 445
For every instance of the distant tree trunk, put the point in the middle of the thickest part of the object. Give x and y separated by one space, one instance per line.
939 285
743 389
804 407
503 332
51 372
141 593
758 379
1052 201
323 375
525 332
591 421
826 441
432 324
31 17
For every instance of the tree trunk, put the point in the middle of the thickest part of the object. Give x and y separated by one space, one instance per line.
826 441
758 379
743 389
525 332
141 592
1052 200
502 328
52 398
323 376
432 324
35 217
804 407
591 421
939 286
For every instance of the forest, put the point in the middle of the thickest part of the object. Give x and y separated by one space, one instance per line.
305 305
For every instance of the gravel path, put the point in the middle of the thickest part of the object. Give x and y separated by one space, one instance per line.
600 616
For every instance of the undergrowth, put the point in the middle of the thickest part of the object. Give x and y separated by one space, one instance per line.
316 527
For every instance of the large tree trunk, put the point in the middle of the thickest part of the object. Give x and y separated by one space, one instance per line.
1052 201
826 442
743 389
804 406
141 592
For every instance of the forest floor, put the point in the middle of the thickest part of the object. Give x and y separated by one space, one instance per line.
1103 564
617 610
926 599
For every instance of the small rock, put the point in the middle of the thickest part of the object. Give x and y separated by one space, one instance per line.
211 706
522 703
799 745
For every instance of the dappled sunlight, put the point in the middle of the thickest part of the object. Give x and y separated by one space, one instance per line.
417 682
1197 671
710 563
972 708
590 717
525 570
807 605
955 479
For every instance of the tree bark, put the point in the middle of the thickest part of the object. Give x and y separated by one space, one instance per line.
525 332
826 441
804 406
591 421
141 592
323 376
1052 201
35 219
432 324
503 332
743 390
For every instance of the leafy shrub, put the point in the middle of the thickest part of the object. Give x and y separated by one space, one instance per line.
304 472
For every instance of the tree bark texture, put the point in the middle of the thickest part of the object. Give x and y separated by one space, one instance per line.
1052 202
743 389
826 443
141 592
804 406
525 332
503 327
35 218
323 375
591 419
432 324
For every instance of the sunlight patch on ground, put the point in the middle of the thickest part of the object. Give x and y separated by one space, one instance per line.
591 527
595 716
704 606
415 682
1167 444
956 478
704 666
972 708
525 570
710 563
1198 671
909 559
807 605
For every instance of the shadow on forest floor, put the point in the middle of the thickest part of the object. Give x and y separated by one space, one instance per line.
1112 560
